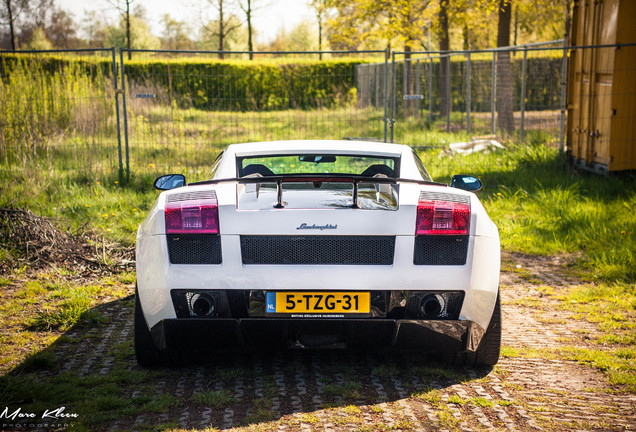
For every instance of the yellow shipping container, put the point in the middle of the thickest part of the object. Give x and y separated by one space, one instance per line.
601 132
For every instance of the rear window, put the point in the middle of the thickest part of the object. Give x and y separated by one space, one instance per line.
318 164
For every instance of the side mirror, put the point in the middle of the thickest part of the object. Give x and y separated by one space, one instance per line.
169 181
467 183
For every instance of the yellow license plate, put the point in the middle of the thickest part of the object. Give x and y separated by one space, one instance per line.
318 302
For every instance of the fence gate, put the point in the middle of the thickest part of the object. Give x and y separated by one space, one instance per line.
182 108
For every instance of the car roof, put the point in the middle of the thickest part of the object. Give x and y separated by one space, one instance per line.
370 148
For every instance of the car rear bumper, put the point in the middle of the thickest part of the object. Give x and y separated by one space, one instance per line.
157 278
229 333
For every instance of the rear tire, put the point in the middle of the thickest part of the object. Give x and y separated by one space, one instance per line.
147 354
487 353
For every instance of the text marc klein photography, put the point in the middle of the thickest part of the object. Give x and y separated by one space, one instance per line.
49 418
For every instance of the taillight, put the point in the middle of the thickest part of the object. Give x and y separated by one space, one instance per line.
192 217
442 218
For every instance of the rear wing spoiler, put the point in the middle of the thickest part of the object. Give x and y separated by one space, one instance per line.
330 178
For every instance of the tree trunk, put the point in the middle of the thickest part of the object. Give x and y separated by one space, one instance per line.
250 46
221 30
11 29
505 113
568 19
514 41
128 42
466 37
320 35
408 80
444 45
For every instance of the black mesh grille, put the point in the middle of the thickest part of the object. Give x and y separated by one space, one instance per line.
370 250
451 307
194 248
440 250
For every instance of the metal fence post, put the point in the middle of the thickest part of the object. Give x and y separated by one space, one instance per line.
386 93
375 86
448 94
564 67
393 95
430 92
123 92
524 69
468 76
418 103
117 93
405 78
493 93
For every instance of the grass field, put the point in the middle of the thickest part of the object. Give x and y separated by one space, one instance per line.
59 159
540 206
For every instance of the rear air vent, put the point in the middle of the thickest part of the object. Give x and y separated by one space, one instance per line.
194 248
440 250
327 249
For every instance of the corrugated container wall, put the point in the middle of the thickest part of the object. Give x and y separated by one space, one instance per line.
601 132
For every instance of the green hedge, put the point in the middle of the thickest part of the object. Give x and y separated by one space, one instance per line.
243 86
257 86
51 64
216 85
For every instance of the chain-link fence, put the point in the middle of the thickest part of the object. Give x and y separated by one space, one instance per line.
58 110
184 107
504 92
158 111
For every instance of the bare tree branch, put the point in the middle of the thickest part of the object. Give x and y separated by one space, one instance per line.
123 7
10 13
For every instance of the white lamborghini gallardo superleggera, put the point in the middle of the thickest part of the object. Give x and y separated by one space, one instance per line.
317 244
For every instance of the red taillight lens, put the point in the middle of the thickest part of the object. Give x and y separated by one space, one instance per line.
442 218
192 217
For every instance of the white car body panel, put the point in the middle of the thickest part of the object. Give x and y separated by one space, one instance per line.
478 278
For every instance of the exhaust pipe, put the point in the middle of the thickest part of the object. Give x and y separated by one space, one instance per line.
432 306
202 305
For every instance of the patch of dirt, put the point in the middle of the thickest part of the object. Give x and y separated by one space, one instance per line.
550 270
36 242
